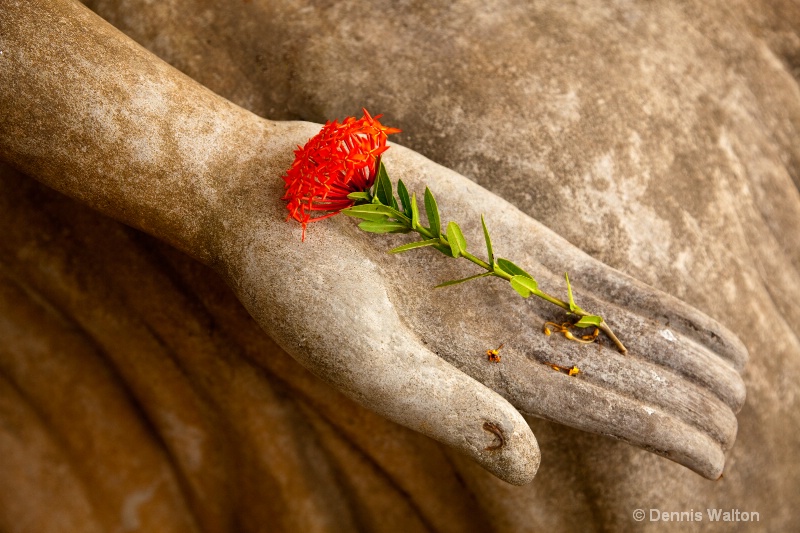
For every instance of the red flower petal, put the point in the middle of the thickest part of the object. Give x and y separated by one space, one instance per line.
340 159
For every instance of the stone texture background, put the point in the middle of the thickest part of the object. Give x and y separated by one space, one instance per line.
658 137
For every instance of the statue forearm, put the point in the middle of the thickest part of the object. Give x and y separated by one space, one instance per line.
91 114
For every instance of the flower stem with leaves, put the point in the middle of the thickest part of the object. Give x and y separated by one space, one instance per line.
381 213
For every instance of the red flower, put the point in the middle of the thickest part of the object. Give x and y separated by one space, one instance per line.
340 159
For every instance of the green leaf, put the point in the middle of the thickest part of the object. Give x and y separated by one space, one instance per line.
368 212
432 210
572 306
524 285
384 187
458 244
363 208
402 192
488 241
384 226
376 211
589 321
444 249
414 212
457 281
413 245
372 217
359 195
511 268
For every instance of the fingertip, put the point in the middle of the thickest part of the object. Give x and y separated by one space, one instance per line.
506 447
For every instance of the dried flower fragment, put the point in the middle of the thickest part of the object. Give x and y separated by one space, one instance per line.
564 328
570 371
494 355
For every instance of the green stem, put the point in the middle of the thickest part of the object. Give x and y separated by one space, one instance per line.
607 330
494 270
556 301
481 263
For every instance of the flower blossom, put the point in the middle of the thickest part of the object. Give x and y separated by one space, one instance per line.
340 159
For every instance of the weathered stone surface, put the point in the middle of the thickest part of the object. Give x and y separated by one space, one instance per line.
675 141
